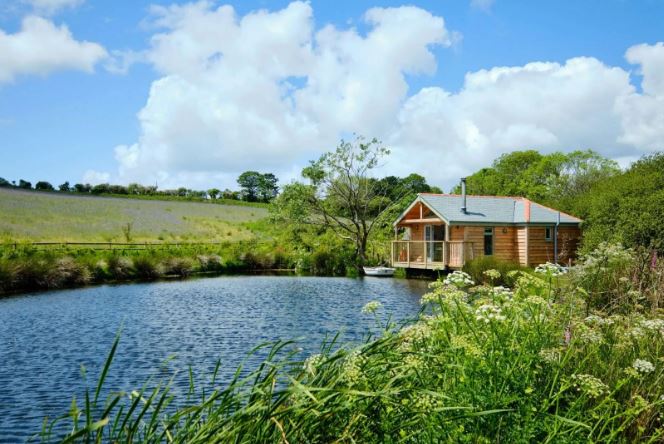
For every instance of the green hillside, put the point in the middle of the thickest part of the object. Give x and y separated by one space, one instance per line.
35 216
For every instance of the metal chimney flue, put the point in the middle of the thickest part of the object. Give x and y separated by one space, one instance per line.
463 195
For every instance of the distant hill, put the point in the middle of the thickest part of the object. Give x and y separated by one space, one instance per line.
39 216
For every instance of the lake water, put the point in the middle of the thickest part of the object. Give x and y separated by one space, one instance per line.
45 338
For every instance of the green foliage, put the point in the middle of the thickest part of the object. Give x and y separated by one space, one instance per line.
477 269
24 184
44 186
486 364
257 186
628 208
555 179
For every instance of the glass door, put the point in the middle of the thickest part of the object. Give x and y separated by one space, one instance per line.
428 237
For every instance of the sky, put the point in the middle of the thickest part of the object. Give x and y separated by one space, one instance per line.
194 93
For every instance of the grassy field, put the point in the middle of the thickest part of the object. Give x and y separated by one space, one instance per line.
35 216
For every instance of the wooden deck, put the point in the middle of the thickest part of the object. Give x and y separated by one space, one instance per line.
431 255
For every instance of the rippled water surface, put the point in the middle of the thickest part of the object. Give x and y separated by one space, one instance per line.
45 338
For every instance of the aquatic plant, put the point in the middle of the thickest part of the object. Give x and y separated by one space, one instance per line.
537 365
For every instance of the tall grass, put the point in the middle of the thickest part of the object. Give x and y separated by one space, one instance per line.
28 268
481 364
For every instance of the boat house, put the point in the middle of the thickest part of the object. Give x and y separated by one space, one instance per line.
439 231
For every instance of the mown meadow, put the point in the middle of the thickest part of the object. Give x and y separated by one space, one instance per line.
559 357
39 216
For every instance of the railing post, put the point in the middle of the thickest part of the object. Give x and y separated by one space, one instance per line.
426 253
408 253
392 254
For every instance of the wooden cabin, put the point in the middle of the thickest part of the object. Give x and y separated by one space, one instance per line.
439 231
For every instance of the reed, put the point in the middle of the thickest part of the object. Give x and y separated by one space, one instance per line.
480 364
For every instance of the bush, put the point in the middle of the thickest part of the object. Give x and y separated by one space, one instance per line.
120 267
619 279
477 267
146 268
176 266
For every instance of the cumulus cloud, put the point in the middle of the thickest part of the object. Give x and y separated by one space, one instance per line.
41 47
96 177
52 6
269 91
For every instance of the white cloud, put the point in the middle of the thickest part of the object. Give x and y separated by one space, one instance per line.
268 91
482 5
41 47
52 6
96 177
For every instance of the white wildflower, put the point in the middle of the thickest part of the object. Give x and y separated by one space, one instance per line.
589 385
459 279
598 320
371 307
653 325
643 366
352 368
492 274
550 269
487 312
550 355
312 362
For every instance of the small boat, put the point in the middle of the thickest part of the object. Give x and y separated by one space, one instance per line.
379 271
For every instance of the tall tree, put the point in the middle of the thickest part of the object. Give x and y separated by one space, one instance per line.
267 187
341 194
249 181
44 186
64 187
24 184
213 193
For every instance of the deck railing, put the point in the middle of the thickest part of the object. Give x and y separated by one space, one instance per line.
431 254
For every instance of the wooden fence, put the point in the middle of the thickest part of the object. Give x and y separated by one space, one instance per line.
116 245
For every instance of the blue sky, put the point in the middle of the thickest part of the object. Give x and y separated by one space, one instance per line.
63 123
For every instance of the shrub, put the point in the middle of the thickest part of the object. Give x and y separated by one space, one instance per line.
65 272
120 267
478 267
146 268
211 262
181 267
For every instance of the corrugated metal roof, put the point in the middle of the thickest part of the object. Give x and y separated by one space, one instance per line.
493 209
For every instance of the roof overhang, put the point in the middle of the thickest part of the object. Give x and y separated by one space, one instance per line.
419 199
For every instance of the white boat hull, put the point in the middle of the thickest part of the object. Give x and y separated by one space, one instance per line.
379 271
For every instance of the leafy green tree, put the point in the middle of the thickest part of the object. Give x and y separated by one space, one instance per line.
340 194
82 188
250 181
44 186
64 187
555 179
4 182
628 207
213 193
24 184
102 188
267 187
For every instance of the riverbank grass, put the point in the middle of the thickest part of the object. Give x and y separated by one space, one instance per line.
536 363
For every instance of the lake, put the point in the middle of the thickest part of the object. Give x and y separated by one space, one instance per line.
166 327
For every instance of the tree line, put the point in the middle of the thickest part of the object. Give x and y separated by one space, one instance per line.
254 187
616 205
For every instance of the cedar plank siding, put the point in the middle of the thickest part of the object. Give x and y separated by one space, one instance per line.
541 250
476 236
504 247
520 247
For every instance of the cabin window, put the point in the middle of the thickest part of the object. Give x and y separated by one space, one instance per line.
488 241
548 236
